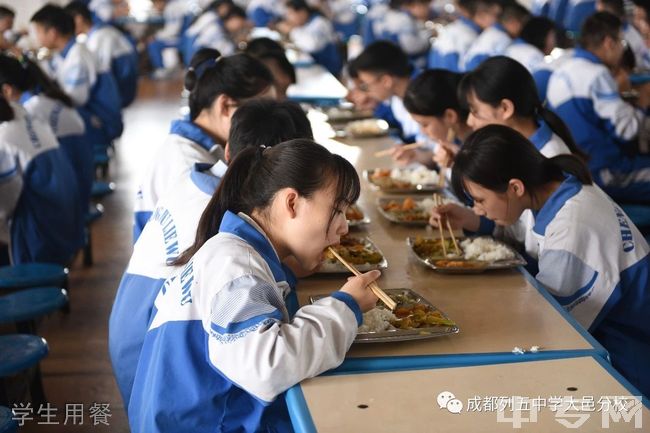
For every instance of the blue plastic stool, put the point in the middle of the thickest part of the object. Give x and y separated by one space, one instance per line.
94 214
101 189
19 352
25 306
7 422
28 275
638 213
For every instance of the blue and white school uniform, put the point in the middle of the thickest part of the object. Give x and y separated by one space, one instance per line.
540 8
186 145
216 37
598 270
263 12
170 231
114 52
176 16
527 54
375 13
411 131
93 91
344 18
557 11
583 92
637 45
317 38
205 20
493 41
577 12
46 222
452 43
11 185
69 129
222 347
401 28
101 11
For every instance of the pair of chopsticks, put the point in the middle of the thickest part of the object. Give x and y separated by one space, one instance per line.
373 286
405 147
438 202
451 136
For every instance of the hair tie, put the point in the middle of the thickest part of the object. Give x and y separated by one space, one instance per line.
203 66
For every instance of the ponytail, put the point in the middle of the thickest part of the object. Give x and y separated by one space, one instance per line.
258 173
493 155
239 76
558 126
6 112
25 75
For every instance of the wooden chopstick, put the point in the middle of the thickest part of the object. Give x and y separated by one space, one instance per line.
442 233
438 201
387 152
373 286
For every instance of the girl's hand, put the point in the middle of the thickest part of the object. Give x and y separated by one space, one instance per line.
403 157
459 217
357 287
445 154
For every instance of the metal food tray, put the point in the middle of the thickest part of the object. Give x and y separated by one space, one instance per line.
403 334
413 188
343 115
382 129
519 260
329 267
390 217
362 221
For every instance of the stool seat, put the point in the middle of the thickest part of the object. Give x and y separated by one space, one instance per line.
31 304
101 189
33 275
638 213
7 422
19 352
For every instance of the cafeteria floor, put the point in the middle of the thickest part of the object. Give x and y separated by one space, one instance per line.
77 369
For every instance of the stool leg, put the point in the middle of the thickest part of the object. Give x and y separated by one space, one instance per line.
4 394
36 388
66 286
26 327
88 248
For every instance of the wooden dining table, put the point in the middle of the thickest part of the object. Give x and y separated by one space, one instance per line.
553 395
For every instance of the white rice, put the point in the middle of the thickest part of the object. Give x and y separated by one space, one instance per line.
428 204
486 249
415 176
377 320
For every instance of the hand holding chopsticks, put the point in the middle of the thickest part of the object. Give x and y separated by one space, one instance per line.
438 202
373 286
404 147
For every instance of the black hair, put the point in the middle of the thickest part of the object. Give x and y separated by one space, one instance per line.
501 77
281 61
52 16
628 60
257 174
597 28
495 154
6 112
512 10
6 12
473 6
434 91
536 30
234 12
300 5
616 7
25 75
395 4
259 46
383 57
78 8
266 122
239 76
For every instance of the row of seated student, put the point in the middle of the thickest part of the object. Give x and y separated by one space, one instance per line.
205 330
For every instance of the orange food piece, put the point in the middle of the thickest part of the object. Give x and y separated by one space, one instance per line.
408 204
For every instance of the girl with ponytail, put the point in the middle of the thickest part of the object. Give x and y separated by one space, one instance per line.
217 86
591 257
501 91
24 82
224 342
